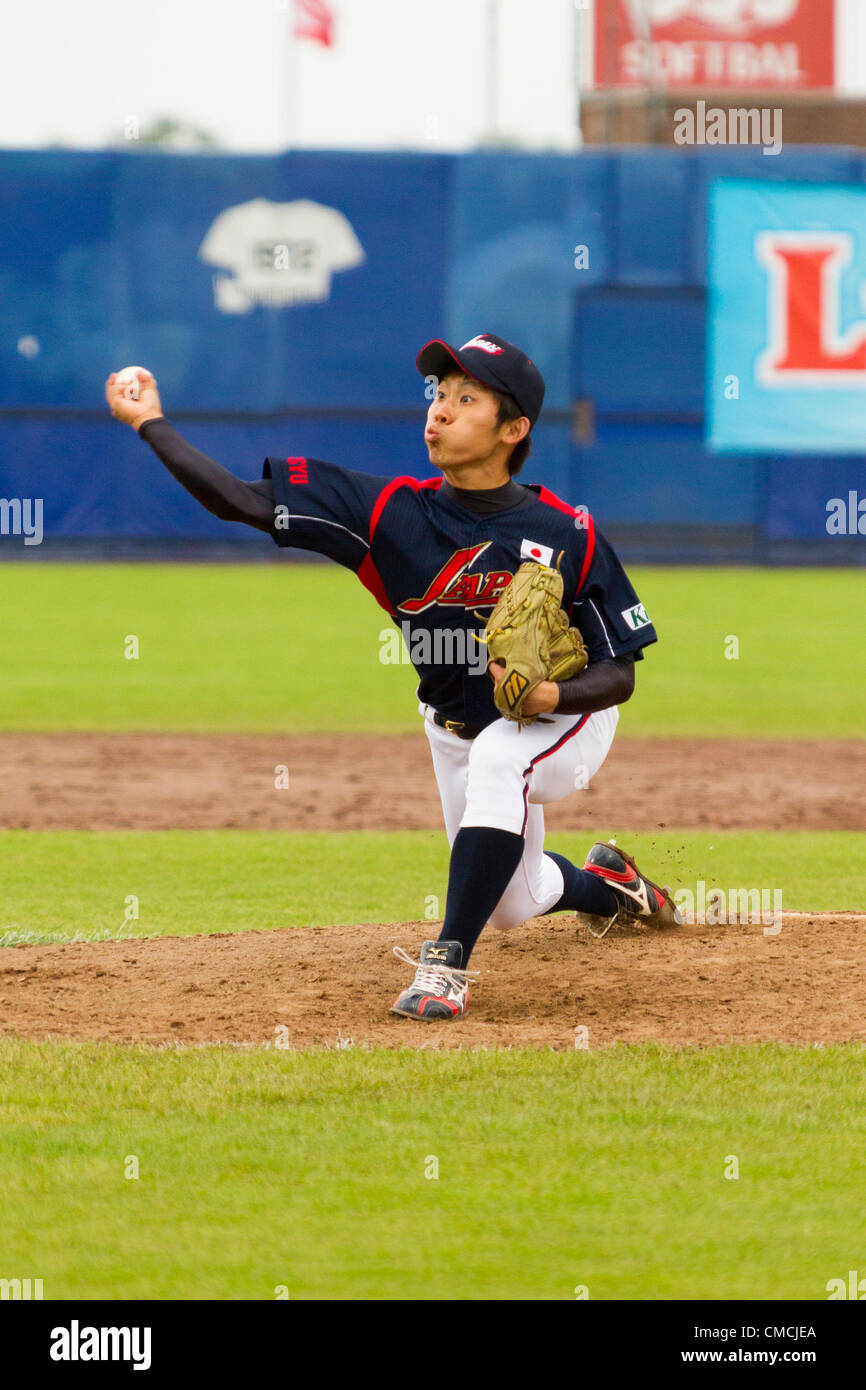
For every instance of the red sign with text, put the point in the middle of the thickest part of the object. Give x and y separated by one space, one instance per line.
785 44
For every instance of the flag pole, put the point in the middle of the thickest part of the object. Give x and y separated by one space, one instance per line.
492 70
577 14
655 98
292 103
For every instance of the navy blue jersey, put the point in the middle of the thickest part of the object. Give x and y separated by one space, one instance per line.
438 569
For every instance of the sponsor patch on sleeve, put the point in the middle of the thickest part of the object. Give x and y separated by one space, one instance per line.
636 617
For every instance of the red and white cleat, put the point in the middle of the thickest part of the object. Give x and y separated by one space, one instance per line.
638 895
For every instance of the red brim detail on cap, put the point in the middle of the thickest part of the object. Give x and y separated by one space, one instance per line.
492 383
449 351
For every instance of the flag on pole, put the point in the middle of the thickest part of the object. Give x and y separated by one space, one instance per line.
314 20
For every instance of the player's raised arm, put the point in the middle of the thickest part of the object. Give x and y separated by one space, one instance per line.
132 396
134 400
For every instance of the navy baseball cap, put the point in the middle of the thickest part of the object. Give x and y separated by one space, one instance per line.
492 361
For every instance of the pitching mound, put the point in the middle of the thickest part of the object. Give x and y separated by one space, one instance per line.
547 984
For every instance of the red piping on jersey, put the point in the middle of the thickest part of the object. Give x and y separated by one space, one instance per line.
390 488
367 571
570 733
372 580
545 495
590 549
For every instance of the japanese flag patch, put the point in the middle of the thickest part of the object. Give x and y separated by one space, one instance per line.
636 617
531 550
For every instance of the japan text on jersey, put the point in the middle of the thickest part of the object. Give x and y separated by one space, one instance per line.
438 569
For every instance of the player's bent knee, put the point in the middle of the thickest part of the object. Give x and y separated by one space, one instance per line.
514 908
506 921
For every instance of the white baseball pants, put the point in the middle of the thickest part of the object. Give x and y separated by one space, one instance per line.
502 779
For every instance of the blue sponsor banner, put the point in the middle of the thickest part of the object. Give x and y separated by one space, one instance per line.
786 322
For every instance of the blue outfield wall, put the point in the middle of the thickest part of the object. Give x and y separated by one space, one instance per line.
100 266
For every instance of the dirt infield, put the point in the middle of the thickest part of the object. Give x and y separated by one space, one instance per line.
363 782
333 986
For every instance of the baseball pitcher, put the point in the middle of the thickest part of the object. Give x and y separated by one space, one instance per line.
533 719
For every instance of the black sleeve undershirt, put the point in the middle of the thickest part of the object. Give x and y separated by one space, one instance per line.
213 486
598 686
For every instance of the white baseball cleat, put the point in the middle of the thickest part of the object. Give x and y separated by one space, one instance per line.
440 988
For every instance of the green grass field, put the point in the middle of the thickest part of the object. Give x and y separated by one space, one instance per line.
260 1169
59 885
556 1171
297 647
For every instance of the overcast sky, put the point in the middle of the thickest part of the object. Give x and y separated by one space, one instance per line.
403 72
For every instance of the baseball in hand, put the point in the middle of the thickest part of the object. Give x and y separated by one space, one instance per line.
128 379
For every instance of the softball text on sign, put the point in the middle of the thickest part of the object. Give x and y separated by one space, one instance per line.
786 329
715 43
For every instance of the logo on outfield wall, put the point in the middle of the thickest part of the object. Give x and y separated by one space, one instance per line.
278 254
786 328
